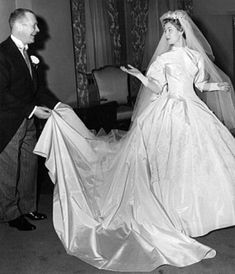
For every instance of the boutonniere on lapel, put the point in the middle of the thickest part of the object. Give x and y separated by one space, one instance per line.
35 61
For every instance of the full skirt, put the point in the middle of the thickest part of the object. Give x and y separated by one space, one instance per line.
132 201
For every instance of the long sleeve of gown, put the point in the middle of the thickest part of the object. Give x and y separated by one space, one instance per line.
202 78
156 74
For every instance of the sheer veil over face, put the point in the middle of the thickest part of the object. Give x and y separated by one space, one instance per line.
195 40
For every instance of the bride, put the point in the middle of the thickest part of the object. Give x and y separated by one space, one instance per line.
133 202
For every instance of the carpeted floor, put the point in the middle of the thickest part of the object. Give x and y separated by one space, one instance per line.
41 252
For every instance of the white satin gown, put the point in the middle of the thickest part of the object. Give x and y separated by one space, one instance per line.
132 204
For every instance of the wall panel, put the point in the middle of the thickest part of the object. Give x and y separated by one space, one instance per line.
57 51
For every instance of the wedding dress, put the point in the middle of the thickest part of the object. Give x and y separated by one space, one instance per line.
131 203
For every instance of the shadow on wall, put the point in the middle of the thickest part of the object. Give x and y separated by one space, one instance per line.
40 43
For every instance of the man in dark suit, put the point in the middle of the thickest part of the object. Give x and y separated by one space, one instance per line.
21 98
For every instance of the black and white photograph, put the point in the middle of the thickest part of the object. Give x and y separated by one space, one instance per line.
117 127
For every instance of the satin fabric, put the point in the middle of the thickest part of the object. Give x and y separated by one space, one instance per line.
130 203
105 211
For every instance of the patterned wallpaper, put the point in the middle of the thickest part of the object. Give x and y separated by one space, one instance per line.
112 12
186 5
79 33
136 20
78 25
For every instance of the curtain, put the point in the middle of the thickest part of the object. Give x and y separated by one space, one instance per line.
97 35
144 30
154 28
98 41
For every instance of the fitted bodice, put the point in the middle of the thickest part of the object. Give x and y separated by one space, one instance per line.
180 73
179 70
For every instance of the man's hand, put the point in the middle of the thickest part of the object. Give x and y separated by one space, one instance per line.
42 112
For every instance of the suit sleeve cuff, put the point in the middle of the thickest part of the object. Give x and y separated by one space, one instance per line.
57 105
32 113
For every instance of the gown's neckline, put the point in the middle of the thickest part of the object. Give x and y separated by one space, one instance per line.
174 48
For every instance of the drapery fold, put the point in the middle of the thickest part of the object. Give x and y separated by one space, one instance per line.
98 40
104 210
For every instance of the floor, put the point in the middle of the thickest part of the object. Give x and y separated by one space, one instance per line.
41 252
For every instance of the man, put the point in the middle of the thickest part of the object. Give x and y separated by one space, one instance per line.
21 99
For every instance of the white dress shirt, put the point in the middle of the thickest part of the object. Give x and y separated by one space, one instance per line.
21 46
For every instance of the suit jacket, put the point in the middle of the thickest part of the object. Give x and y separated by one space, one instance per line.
19 92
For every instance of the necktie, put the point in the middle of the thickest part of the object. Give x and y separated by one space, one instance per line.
26 57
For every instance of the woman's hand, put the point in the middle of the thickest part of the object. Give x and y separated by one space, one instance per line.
224 86
131 70
135 72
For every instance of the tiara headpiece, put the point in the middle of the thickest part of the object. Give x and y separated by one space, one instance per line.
178 14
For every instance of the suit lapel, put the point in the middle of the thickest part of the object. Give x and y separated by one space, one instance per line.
15 53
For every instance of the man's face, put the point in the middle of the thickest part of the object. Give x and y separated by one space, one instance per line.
28 28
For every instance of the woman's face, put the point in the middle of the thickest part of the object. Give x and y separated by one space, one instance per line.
173 35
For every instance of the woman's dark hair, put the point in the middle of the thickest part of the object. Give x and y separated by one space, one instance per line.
17 14
174 22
